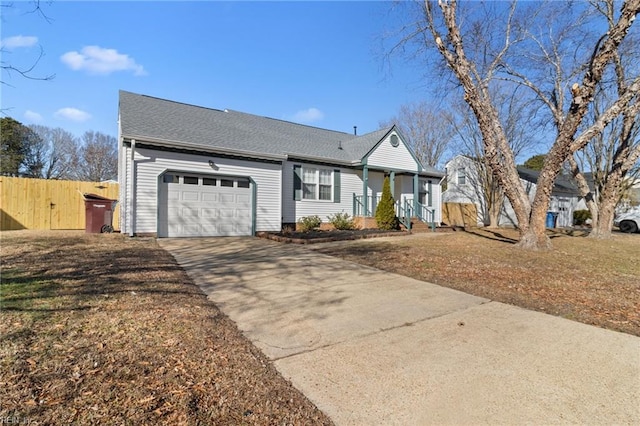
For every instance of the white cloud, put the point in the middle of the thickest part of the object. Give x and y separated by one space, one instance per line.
308 115
32 116
72 114
98 60
18 41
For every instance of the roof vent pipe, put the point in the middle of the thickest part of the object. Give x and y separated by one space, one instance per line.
339 144
355 130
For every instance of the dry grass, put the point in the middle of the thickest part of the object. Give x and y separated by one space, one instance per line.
591 281
106 329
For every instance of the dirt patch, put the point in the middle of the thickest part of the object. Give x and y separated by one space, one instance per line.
108 329
591 281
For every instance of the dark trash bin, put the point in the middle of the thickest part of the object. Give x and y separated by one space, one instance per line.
98 213
552 219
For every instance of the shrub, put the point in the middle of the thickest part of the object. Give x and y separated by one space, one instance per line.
309 223
341 221
580 216
385 212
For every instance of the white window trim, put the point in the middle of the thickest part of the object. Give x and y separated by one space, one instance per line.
317 184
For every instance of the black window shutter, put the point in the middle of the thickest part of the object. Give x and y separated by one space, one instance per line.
297 183
336 186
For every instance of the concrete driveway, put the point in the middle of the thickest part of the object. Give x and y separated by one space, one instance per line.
373 348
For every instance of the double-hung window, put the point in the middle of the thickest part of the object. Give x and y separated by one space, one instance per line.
462 177
316 184
324 189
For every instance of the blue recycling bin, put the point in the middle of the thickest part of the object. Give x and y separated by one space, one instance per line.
552 218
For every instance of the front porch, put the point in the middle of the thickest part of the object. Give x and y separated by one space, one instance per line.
408 210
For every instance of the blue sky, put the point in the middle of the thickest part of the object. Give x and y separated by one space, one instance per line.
317 63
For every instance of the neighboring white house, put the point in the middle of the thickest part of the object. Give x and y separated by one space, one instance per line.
186 170
464 186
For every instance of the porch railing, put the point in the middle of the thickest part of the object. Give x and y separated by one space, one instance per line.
427 215
404 211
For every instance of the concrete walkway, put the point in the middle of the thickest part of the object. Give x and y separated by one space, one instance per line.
373 348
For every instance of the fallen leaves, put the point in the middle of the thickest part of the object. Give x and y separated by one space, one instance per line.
128 339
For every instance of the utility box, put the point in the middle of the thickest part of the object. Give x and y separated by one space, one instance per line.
98 213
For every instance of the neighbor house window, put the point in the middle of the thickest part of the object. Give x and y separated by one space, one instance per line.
316 184
462 177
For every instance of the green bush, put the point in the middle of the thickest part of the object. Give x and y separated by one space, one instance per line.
309 223
580 216
341 221
385 212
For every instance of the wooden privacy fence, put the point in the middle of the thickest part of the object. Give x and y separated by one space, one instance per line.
49 204
460 214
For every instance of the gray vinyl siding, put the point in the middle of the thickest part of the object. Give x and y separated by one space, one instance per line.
150 164
350 183
387 156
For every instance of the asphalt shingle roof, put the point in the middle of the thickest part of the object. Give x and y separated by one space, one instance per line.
563 184
144 116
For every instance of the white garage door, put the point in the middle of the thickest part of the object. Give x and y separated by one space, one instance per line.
204 206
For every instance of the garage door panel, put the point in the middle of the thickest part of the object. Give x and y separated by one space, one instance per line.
207 196
208 213
189 212
226 229
190 196
226 198
191 229
205 209
242 198
226 213
243 213
244 229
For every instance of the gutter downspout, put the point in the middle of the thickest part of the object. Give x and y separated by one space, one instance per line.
132 201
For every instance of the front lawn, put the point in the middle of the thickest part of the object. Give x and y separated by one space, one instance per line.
591 281
105 329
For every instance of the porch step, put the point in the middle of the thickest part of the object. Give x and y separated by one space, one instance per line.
418 226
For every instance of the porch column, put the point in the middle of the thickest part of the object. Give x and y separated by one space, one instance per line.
416 184
365 192
392 181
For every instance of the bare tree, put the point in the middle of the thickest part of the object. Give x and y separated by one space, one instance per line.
428 129
97 157
612 154
54 155
513 113
475 74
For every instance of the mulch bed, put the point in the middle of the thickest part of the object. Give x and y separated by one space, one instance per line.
105 329
322 236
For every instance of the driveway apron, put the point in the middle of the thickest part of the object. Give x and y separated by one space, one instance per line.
373 348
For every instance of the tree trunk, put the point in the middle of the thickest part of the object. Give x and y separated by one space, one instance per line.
535 237
602 229
607 206
494 216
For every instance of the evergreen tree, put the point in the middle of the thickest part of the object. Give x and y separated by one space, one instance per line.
385 212
536 162
17 141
